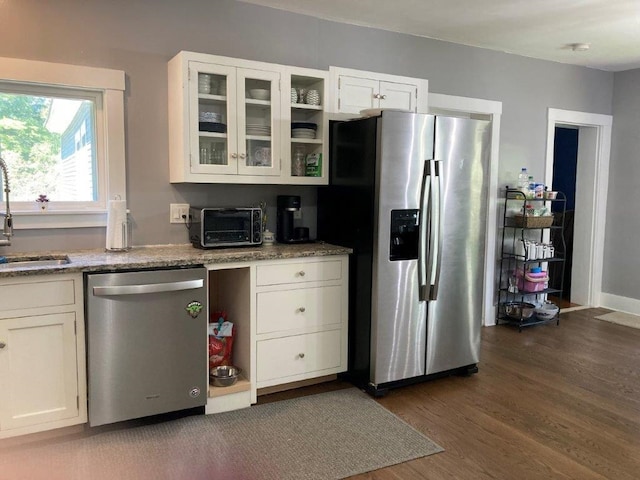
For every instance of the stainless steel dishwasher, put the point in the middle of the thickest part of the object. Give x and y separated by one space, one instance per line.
146 343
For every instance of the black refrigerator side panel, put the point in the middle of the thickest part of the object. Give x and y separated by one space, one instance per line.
346 217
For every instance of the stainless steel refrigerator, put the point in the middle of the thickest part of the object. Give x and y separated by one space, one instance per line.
408 192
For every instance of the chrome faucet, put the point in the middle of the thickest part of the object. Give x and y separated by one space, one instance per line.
7 230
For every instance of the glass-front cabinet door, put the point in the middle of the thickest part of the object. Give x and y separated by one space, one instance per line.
233 116
212 118
258 122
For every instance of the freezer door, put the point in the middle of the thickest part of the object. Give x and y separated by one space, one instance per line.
398 318
455 312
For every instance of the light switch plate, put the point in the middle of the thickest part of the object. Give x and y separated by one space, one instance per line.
178 212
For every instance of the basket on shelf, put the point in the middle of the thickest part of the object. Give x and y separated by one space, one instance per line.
529 221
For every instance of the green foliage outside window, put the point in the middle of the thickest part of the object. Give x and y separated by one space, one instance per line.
31 151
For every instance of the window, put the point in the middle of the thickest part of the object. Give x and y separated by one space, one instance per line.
54 121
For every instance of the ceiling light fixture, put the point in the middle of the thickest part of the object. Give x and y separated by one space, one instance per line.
579 47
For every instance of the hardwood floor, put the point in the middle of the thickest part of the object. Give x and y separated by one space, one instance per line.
552 402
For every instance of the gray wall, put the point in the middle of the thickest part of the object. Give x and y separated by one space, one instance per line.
621 259
140 36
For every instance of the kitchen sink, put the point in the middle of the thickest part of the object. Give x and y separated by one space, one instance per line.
34 261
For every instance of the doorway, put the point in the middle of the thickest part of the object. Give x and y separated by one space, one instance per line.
565 163
592 175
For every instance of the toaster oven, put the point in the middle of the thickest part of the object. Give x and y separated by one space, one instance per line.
225 227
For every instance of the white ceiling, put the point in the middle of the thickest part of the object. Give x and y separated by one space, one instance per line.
534 28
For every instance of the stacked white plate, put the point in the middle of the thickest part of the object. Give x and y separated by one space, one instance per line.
303 133
305 130
258 129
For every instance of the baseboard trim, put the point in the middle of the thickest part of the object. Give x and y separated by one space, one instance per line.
620 304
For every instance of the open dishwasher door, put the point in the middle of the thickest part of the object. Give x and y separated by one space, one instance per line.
146 343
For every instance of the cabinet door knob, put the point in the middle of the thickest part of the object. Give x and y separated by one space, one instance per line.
301 355
2 344
376 95
302 309
382 96
242 156
234 155
301 273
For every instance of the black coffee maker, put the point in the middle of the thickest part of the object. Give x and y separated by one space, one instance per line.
286 231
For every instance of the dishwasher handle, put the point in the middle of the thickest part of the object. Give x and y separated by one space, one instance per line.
108 290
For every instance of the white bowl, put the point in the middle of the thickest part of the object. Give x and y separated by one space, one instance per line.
547 311
260 93
210 117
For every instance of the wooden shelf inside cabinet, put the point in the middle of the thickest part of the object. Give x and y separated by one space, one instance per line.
242 385
304 106
212 99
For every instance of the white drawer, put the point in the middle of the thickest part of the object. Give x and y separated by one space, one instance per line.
298 308
299 272
28 295
297 355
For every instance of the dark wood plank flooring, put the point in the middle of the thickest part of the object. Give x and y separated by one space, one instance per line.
552 402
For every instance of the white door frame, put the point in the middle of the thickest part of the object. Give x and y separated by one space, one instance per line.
596 190
443 104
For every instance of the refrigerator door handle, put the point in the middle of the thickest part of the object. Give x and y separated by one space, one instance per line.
435 244
424 234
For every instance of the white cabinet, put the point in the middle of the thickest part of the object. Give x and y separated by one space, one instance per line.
303 109
42 354
301 319
230 120
356 90
226 119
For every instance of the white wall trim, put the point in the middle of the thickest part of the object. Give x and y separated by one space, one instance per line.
494 110
47 73
603 124
620 304
110 145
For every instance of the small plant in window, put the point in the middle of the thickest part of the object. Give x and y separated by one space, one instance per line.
42 201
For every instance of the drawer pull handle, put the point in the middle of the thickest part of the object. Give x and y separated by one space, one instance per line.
2 345
302 309
301 273
301 355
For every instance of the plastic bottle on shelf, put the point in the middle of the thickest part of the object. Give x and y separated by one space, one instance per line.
531 186
523 180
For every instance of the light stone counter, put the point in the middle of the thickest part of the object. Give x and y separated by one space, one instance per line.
161 256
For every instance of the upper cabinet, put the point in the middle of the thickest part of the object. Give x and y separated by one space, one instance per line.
235 121
307 126
356 90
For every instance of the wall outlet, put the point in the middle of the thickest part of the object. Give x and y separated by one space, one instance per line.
178 212
297 214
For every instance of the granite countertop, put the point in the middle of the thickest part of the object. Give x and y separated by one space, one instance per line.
159 256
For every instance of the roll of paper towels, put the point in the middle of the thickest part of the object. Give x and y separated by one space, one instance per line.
117 225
